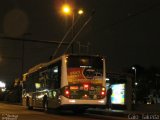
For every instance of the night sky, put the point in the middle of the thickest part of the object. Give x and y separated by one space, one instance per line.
126 32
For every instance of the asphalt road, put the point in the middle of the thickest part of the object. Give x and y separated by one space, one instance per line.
18 112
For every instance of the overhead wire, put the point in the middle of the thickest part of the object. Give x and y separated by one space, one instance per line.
84 25
65 36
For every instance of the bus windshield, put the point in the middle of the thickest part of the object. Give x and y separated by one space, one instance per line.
84 69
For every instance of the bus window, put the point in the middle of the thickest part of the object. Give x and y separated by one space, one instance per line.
30 83
82 69
54 76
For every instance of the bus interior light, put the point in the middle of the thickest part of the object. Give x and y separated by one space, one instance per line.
55 70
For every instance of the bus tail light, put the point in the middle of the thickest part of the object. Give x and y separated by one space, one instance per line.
67 93
86 86
103 91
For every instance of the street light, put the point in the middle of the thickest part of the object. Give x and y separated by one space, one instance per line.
133 68
68 10
80 12
135 83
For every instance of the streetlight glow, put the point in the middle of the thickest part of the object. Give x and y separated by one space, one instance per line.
66 9
136 83
80 12
133 68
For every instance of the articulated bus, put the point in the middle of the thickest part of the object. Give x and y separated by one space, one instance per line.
70 82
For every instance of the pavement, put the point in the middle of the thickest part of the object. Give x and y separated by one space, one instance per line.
109 112
122 113
116 113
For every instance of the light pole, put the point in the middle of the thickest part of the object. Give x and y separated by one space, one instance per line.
79 12
68 10
135 83
135 75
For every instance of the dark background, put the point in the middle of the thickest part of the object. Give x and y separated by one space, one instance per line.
125 31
